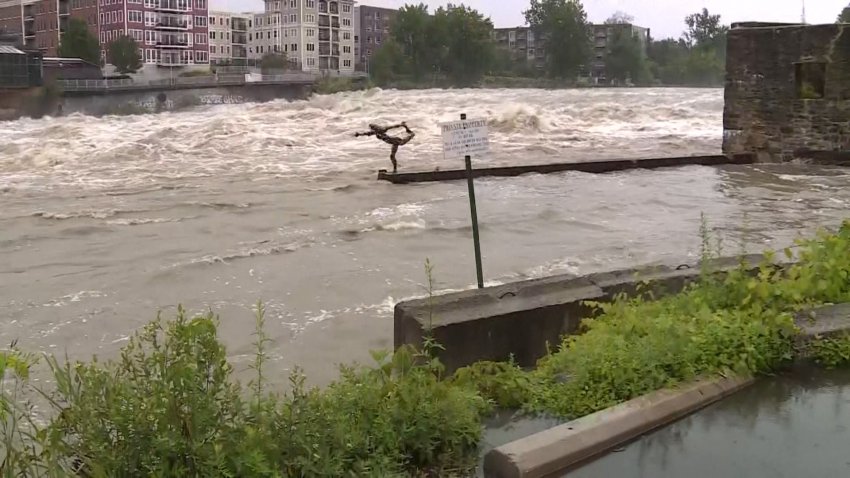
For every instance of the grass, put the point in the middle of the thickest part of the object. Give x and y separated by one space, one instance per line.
168 406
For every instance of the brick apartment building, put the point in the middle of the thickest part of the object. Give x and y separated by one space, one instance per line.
169 32
39 24
372 29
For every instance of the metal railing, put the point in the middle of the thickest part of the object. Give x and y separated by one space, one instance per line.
188 81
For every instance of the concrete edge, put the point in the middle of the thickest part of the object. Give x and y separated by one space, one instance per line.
565 446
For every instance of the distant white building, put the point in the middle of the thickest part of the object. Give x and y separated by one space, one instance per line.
229 34
315 35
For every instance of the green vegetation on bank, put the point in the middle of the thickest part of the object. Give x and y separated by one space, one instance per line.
168 406
455 47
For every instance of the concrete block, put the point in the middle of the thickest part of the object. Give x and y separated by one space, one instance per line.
525 319
562 448
496 323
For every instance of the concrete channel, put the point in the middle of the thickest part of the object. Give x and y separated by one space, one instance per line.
522 320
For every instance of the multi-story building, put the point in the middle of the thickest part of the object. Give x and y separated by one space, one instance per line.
522 43
602 36
315 35
373 29
170 33
229 37
40 23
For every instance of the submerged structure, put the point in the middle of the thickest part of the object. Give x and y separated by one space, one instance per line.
787 90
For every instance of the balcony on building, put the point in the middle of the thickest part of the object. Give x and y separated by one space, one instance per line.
335 22
239 52
172 41
171 59
172 6
335 36
29 13
172 22
324 34
324 49
64 7
239 38
324 21
333 7
240 25
323 7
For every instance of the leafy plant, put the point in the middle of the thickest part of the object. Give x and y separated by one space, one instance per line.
832 352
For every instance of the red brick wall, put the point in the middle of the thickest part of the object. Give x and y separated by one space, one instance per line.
10 19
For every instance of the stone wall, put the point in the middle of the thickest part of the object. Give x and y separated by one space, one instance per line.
787 90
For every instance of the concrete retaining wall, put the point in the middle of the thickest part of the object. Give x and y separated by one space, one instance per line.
171 100
523 319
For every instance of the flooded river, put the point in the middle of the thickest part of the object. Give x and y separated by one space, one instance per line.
105 221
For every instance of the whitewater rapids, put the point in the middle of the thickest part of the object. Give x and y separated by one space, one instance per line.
105 221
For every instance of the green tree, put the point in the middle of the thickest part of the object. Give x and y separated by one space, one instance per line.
620 18
705 31
844 17
413 31
668 60
388 63
625 59
273 61
563 25
79 42
124 54
467 51
455 42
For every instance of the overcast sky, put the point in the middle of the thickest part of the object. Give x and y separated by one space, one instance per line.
664 17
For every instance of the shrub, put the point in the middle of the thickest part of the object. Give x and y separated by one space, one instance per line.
168 407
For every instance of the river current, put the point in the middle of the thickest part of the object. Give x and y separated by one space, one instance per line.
106 221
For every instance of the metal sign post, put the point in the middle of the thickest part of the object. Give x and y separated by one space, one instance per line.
464 138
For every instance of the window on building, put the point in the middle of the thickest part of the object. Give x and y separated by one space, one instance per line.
275 33
213 49
294 47
346 35
811 80
346 63
212 35
311 3
200 21
135 16
293 3
293 18
311 61
311 47
346 9
346 49
346 22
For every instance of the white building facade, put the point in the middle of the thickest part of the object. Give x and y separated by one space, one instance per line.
315 35
229 34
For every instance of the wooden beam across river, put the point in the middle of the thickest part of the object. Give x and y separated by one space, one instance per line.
596 166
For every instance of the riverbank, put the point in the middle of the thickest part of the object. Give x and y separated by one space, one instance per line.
169 405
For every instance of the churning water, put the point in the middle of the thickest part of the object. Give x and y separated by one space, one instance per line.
105 221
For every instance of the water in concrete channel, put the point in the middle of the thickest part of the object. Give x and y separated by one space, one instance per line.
789 426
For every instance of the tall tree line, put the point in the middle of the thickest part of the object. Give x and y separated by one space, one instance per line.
454 43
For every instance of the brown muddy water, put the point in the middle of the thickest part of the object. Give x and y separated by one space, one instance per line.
105 221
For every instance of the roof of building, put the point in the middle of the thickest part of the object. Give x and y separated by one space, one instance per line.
10 50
